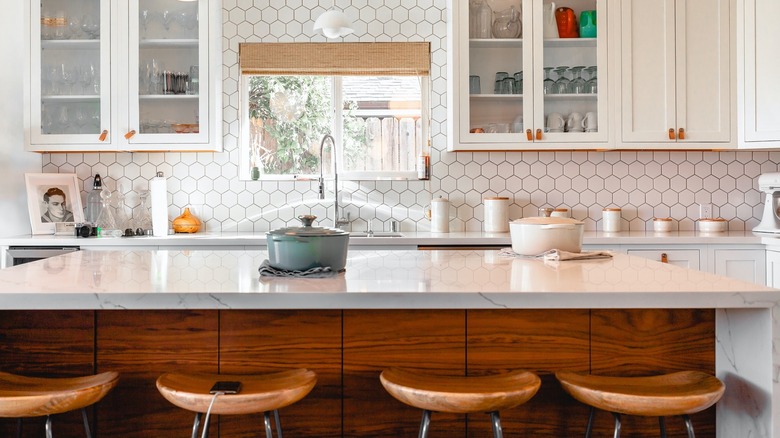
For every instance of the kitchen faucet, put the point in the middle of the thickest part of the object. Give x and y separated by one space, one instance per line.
337 222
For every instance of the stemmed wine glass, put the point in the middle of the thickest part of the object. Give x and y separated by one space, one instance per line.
562 84
168 17
155 76
577 85
90 26
81 120
592 84
547 85
87 78
145 18
63 120
69 76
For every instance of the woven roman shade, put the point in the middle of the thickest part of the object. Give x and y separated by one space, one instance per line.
336 59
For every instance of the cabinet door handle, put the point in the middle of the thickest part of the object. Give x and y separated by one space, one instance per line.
682 134
529 134
538 134
103 135
671 134
664 258
129 134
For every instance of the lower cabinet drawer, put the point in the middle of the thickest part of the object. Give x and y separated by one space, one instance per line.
687 258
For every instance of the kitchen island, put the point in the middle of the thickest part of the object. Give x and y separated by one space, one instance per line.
622 314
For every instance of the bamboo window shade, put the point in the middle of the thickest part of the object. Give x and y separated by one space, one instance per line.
336 59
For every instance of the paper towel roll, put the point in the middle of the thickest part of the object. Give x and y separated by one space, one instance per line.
158 187
440 215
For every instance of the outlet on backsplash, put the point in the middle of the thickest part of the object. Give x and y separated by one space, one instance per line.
705 211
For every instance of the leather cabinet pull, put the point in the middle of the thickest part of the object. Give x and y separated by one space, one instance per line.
671 134
682 134
538 134
664 258
103 135
529 135
130 134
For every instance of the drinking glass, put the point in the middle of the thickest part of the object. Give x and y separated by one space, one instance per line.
145 17
548 84
500 75
508 85
90 26
592 84
577 85
187 19
562 84
518 82
474 86
168 17
63 120
47 123
80 119
60 30
74 28
69 76
155 76
87 78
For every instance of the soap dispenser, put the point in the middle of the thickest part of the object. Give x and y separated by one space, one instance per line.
94 203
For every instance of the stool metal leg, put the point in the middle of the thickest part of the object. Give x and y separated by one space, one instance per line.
278 424
617 424
196 425
86 422
590 421
424 424
689 426
662 426
498 432
269 433
48 426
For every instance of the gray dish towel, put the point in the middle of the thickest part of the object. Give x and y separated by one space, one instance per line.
266 270
557 255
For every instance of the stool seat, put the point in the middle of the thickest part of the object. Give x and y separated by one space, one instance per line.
460 395
259 393
22 396
680 393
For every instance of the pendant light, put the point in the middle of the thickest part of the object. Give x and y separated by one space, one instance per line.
333 23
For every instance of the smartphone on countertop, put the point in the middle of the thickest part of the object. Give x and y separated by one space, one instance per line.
226 387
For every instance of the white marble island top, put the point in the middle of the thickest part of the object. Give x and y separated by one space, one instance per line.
206 279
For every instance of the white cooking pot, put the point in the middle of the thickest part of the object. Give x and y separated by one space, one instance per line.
534 235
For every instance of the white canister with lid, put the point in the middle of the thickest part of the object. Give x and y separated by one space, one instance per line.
560 212
610 220
662 224
440 215
496 215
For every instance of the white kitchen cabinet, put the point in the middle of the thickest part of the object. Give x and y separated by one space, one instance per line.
125 83
773 268
686 258
518 121
675 82
743 264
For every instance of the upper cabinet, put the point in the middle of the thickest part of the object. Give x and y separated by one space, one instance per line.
528 74
124 75
675 81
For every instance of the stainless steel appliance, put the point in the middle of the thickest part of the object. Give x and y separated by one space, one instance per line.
18 255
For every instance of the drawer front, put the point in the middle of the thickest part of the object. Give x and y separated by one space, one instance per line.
687 258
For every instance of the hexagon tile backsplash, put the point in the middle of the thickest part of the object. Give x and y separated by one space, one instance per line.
643 184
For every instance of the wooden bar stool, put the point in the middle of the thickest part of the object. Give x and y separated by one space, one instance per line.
460 395
264 393
22 397
682 393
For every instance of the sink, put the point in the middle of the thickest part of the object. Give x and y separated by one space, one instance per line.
376 234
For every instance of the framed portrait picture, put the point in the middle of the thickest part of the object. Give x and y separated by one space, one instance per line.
53 198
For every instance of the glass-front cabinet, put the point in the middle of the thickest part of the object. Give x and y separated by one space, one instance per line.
124 75
528 74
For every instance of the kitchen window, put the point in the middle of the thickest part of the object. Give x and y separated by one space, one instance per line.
373 98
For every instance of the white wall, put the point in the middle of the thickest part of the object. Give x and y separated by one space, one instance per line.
14 161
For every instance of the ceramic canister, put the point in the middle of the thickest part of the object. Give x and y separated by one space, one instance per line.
496 215
440 215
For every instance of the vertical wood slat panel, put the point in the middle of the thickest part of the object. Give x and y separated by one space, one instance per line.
256 342
48 344
142 345
430 340
653 341
536 340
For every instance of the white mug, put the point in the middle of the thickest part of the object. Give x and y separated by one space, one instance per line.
555 122
574 123
590 122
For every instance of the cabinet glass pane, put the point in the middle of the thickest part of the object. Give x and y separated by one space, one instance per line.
169 71
570 71
70 67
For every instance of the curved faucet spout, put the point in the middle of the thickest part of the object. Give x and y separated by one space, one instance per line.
336 221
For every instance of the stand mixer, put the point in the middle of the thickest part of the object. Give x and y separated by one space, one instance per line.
769 183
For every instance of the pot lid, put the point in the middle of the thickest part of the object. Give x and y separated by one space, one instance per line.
546 220
307 229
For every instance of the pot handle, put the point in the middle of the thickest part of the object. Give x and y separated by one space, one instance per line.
558 226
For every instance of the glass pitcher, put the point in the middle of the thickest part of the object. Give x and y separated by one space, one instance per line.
507 24
483 20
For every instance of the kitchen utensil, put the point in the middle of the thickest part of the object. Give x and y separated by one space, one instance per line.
507 24
588 24
306 247
562 83
769 183
518 82
474 85
566 20
534 235
550 27
186 223
713 225
555 122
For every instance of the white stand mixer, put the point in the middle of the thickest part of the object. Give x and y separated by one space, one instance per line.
769 183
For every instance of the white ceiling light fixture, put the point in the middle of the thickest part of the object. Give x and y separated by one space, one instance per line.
333 23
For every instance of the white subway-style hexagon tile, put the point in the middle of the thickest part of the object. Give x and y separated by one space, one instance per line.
643 184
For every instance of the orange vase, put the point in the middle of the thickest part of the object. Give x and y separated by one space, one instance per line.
186 223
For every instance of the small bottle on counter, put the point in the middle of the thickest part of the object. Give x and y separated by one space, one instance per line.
94 203
610 220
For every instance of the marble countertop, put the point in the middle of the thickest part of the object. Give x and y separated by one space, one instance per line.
249 239
206 279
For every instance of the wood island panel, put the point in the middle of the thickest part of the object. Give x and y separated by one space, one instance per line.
541 341
255 342
141 345
653 341
48 344
429 340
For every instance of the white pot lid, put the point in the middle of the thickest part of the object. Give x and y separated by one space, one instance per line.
307 229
